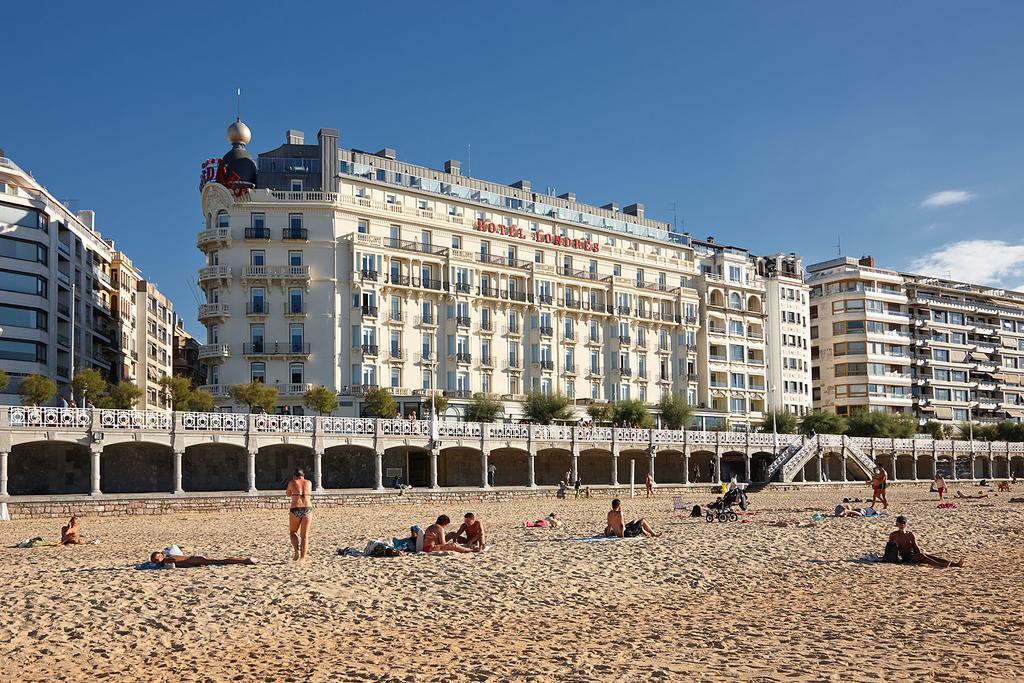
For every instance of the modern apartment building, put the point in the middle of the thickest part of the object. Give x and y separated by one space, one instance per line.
46 254
900 342
338 267
154 342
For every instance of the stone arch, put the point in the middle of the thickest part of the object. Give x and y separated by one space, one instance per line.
137 467
276 462
594 467
754 304
1017 466
214 467
642 460
944 466
924 466
459 466
759 463
410 463
734 463
510 467
832 466
550 466
716 298
669 467
1001 467
735 301
350 467
702 467
904 467
41 468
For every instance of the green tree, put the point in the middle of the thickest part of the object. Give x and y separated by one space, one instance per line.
981 432
4 379
104 402
600 412
631 412
88 384
438 402
1008 430
543 409
36 390
124 395
785 422
378 402
200 401
676 413
936 430
483 408
902 426
321 399
177 391
255 394
868 423
821 422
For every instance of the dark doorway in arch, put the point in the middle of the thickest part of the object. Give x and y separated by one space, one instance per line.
419 469
48 468
137 467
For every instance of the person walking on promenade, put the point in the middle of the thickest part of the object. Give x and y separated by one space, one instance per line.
300 490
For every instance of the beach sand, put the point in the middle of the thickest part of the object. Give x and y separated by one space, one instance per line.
750 601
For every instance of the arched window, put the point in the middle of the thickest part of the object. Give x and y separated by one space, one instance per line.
735 301
222 219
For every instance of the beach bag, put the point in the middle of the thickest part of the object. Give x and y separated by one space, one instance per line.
892 552
695 512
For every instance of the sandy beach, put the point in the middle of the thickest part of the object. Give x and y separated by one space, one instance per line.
752 600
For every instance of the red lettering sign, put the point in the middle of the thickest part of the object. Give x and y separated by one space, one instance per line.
519 233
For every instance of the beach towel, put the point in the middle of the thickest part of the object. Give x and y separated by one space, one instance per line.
598 539
869 557
947 506
153 565
349 552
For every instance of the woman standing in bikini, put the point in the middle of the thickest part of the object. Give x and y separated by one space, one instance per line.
879 481
300 491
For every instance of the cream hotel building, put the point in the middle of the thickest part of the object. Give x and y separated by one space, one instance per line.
349 269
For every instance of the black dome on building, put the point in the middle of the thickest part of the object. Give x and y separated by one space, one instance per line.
238 160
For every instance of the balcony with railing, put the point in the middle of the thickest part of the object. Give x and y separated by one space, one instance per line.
214 273
368 275
212 236
213 311
300 234
624 340
257 308
546 331
463 358
257 233
426 320
626 372
295 308
547 365
504 261
486 362
462 321
368 311
213 351
458 393
275 349
463 288
415 246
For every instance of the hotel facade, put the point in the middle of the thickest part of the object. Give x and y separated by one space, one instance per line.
353 270
934 348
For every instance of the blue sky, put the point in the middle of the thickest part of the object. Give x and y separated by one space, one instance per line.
773 126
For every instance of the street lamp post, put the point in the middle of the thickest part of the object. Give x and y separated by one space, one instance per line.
433 405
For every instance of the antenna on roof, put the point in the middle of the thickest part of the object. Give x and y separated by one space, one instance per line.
238 103
469 159
675 220
839 245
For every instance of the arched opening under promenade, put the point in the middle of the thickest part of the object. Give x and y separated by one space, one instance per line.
1017 467
640 463
459 466
214 467
734 463
350 467
702 467
410 464
904 467
594 467
276 463
510 467
137 467
832 466
944 467
669 467
44 468
759 463
925 467
550 466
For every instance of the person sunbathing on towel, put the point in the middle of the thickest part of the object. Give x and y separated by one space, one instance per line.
434 538
909 551
71 534
616 527
188 561
470 533
980 494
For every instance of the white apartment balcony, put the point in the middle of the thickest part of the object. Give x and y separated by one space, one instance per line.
295 273
214 311
213 352
216 390
214 273
213 238
103 278
293 389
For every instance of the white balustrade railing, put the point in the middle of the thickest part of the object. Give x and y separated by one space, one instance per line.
668 436
351 426
596 434
633 435
214 422
32 416
458 429
135 419
508 432
302 424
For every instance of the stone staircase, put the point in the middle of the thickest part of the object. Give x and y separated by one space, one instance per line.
795 445
860 458
799 458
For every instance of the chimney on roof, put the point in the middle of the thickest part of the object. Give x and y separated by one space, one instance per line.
294 137
611 206
88 217
387 153
521 185
868 261
710 239
327 146
568 196
453 167
634 210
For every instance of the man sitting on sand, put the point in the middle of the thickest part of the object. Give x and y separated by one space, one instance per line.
434 539
616 527
961 496
71 534
906 544
188 561
470 533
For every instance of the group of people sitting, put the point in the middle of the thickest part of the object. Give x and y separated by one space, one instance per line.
468 538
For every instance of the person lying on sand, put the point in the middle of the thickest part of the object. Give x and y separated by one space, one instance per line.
905 544
71 534
550 522
188 561
470 533
1004 486
850 511
434 539
616 527
980 494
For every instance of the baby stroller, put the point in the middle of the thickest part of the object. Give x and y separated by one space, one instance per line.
722 508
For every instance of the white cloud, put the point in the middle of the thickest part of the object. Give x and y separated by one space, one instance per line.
947 198
984 262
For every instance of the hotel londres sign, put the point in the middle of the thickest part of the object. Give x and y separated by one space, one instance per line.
544 237
214 170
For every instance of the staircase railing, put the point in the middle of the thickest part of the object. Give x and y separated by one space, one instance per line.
785 454
860 457
800 458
